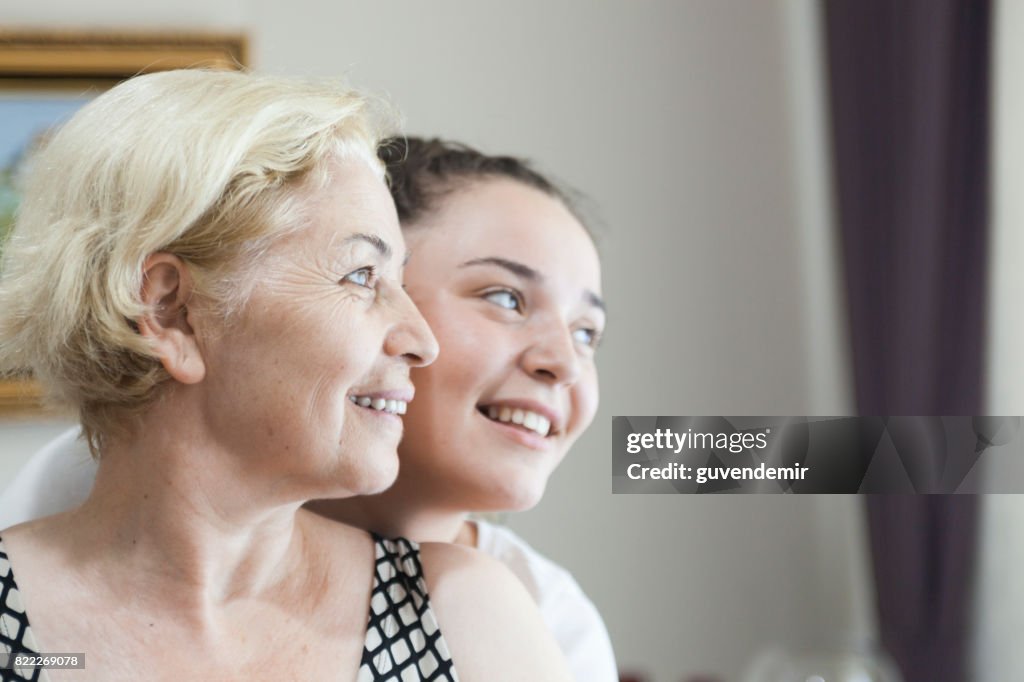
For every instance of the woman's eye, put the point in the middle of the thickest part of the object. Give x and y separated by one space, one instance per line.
505 298
588 337
362 277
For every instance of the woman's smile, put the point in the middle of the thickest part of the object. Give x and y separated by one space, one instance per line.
388 404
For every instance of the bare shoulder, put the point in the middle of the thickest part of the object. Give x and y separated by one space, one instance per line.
490 622
459 577
42 564
42 542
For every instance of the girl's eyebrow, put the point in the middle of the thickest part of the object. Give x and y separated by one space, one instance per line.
528 273
516 268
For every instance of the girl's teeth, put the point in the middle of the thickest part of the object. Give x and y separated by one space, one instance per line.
379 403
525 418
364 401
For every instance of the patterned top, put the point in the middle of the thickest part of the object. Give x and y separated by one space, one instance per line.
403 642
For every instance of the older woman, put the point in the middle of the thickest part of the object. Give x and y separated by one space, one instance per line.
209 268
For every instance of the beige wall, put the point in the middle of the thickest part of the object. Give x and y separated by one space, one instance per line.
695 127
999 608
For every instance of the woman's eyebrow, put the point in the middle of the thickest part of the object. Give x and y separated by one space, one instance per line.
516 268
382 246
594 300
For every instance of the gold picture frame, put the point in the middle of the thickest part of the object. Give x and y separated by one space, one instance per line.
59 66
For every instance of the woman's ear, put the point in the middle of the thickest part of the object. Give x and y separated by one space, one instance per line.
166 291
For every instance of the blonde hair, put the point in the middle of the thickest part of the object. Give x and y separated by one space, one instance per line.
201 164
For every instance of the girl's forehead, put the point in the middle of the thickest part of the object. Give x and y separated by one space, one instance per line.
503 215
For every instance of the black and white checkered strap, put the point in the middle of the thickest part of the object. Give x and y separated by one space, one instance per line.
15 635
403 641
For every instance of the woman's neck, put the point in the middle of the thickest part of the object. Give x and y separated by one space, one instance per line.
161 505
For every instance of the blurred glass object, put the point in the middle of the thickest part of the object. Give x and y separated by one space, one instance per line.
833 662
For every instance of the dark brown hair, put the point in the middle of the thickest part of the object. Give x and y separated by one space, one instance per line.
421 171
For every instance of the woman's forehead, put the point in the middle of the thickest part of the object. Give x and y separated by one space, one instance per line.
354 202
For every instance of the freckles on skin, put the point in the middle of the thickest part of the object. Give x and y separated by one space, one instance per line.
324 310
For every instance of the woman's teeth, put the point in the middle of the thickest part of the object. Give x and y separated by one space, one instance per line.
380 404
525 418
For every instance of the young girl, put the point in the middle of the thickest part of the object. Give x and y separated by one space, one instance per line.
509 280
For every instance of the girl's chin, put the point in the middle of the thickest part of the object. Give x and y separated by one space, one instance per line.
511 498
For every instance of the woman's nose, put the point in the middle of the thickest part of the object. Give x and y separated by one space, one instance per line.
411 338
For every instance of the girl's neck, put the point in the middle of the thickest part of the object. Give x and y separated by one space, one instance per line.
387 516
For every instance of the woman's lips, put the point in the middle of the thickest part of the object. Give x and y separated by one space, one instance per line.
391 401
380 404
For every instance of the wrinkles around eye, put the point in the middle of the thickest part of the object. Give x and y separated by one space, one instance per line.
365 277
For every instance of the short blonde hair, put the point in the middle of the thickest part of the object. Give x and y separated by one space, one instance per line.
201 164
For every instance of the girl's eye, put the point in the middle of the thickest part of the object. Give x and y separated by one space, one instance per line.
505 298
363 277
588 337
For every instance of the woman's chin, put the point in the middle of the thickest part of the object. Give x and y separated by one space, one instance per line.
375 478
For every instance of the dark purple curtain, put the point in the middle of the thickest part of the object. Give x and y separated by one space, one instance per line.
909 97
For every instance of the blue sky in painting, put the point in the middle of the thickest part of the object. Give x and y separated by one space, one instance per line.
23 117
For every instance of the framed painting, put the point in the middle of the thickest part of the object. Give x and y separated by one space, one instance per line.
45 76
